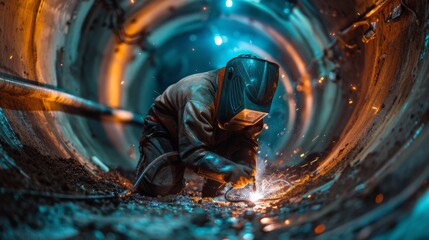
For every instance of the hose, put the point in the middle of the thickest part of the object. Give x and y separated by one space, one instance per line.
124 194
128 193
54 195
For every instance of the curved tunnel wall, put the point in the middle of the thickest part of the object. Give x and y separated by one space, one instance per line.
351 103
23 127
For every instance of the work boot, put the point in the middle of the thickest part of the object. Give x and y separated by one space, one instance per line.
162 179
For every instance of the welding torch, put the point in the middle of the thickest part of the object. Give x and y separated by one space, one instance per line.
254 184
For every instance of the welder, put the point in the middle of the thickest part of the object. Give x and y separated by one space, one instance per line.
211 120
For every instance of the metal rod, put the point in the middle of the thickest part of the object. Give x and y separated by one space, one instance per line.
13 86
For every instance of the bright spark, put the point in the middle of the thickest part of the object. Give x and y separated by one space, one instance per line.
255 196
269 186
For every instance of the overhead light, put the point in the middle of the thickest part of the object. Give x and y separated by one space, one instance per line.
218 40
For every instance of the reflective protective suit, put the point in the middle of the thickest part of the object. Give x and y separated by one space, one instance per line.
183 119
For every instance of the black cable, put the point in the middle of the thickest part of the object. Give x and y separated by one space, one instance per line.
124 194
127 193
236 200
62 196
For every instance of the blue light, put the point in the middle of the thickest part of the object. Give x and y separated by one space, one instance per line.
218 40
228 3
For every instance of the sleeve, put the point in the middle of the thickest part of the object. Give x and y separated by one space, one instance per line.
195 136
246 140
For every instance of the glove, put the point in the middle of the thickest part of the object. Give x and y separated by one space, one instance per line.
252 165
240 176
222 170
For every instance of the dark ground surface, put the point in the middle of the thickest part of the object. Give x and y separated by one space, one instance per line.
337 209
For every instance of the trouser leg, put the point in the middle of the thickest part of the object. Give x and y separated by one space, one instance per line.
166 176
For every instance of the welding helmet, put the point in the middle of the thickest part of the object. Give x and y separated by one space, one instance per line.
246 92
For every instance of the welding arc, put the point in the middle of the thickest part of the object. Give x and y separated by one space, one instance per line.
124 194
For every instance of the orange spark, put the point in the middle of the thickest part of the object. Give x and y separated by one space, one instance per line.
319 229
379 198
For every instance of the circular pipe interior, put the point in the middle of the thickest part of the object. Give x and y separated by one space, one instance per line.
353 78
